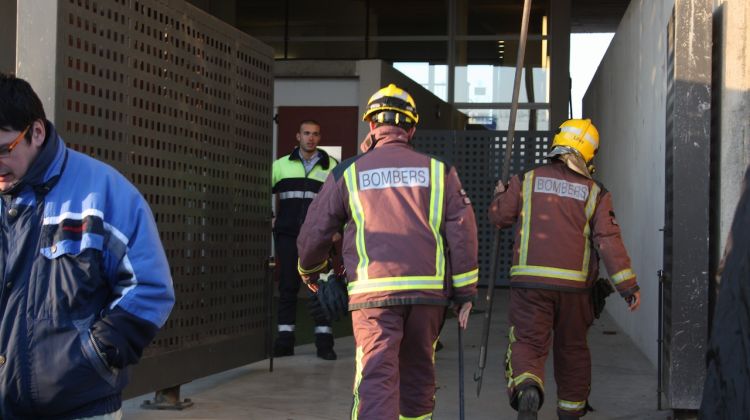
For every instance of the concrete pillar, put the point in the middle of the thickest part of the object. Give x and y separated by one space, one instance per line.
734 103
559 61
688 151
36 55
8 36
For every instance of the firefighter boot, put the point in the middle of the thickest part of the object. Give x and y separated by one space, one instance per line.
528 404
324 344
284 345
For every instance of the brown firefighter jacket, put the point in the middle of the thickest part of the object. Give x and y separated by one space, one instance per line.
564 224
410 234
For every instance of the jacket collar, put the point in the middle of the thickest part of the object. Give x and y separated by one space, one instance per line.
388 134
324 160
45 170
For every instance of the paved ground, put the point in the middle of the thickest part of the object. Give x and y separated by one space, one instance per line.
304 387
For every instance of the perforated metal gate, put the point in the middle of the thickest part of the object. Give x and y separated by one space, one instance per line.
180 103
478 157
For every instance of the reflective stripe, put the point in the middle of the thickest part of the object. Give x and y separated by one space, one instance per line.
552 272
577 132
528 184
323 330
623 275
395 283
590 206
571 405
286 328
321 267
527 375
465 279
437 170
296 194
357 380
509 354
424 417
358 215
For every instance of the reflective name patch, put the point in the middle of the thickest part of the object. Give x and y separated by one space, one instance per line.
561 188
394 178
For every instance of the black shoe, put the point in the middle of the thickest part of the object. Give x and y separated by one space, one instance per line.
528 404
284 344
281 350
327 354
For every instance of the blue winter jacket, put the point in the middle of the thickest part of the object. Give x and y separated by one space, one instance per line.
85 286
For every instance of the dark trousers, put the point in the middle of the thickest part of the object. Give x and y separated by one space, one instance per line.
289 284
538 318
395 372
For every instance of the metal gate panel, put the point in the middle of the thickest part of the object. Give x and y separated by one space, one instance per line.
181 104
478 157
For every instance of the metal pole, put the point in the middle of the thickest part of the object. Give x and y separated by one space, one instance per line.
504 177
270 266
460 371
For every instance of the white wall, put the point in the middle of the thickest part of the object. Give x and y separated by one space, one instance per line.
626 101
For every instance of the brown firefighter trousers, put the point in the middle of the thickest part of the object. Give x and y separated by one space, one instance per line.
535 314
395 370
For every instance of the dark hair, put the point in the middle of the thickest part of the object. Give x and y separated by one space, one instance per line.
19 104
303 122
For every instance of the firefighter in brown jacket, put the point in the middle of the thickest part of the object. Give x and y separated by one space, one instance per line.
410 249
564 222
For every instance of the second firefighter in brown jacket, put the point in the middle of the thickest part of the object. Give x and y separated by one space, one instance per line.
409 248
564 223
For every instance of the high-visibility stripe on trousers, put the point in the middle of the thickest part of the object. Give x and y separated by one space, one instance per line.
535 315
395 365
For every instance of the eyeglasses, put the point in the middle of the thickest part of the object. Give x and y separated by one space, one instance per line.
5 150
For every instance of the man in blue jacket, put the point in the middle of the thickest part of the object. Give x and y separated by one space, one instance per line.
85 280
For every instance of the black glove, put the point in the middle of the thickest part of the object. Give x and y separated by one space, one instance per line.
333 296
599 292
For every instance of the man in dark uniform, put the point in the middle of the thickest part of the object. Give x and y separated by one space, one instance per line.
296 179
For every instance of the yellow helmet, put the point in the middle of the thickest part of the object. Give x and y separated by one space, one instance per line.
579 135
391 105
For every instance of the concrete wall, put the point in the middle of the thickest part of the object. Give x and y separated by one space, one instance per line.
626 101
734 106
8 36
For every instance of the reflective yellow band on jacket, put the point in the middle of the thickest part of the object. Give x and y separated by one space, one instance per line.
590 207
571 405
395 283
315 269
528 185
552 272
465 279
358 215
424 417
524 376
357 380
437 172
623 275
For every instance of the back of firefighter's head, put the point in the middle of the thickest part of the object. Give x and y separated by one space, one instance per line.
576 136
394 106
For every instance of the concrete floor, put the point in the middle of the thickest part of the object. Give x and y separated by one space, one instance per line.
304 387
